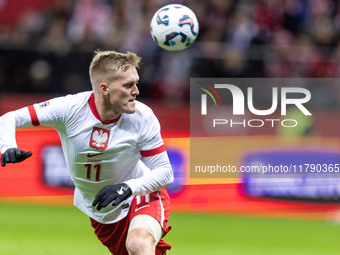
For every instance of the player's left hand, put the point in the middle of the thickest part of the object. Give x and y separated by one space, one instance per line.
112 194
14 155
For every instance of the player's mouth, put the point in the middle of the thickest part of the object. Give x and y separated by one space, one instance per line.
132 102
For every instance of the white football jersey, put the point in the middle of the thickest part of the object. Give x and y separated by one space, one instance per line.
100 153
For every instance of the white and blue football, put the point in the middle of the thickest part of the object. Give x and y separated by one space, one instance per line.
174 27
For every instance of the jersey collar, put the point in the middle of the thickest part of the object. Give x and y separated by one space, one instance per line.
96 114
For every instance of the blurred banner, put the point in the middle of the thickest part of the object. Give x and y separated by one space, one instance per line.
43 178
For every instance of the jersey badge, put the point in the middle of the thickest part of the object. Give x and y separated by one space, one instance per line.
156 138
44 104
99 138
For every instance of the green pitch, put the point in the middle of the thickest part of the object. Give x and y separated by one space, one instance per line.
31 229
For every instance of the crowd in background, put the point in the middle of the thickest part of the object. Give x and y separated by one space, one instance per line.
245 38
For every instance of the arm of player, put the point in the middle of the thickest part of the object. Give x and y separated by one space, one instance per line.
49 113
160 176
8 146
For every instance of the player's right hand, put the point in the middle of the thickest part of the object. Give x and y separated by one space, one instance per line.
14 155
112 194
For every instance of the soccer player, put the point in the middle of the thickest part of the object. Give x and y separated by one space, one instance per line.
104 135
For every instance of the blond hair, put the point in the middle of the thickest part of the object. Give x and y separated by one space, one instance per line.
105 64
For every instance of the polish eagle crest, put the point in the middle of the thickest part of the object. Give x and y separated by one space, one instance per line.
99 138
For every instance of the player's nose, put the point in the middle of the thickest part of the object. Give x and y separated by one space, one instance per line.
135 90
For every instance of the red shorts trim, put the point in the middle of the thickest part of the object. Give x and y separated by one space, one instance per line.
156 205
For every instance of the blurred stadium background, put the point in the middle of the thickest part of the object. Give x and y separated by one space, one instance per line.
45 49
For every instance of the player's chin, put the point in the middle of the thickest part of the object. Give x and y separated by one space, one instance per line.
131 107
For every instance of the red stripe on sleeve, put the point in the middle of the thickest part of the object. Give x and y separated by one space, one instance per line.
153 152
34 116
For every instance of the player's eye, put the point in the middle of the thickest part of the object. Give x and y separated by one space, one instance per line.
131 84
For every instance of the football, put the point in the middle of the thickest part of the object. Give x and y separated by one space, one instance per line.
174 27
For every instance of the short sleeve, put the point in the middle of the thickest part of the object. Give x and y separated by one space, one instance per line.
52 113
150 140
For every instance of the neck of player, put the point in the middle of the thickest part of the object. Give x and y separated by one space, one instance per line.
105 109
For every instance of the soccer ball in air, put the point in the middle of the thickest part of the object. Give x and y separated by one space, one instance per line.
174 27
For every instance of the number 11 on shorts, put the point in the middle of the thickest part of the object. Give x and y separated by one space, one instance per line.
146 197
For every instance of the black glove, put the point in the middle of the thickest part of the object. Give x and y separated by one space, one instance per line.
14 155
112 193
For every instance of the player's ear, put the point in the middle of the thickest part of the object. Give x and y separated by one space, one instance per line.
104 88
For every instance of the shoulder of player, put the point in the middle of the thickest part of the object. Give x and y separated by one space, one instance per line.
142 115
142 110
73 100
79 98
